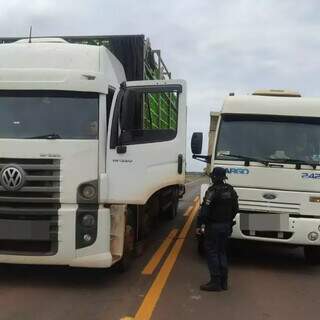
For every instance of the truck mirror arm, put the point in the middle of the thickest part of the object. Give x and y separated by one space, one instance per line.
202 158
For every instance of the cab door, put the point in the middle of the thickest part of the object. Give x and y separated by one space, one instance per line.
146 148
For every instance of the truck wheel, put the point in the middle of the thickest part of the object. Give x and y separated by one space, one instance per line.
173 208
312 254
125 262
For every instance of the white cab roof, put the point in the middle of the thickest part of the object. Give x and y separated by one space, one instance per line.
307 107
58 65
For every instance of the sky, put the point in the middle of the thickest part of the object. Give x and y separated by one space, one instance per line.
216 46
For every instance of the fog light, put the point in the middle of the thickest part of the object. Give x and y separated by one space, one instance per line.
88 220
87 237
88 191
313 236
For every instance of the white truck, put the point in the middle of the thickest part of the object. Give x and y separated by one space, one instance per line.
88 160
269 142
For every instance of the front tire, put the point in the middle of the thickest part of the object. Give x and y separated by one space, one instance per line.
172 210
312 254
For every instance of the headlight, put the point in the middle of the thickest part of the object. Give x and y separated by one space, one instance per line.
88 191
313 236
88 220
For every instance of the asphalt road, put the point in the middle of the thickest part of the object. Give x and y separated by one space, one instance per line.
267 282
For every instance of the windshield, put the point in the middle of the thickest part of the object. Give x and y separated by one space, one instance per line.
276 138
48 114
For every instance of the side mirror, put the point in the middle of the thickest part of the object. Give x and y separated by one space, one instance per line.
196 142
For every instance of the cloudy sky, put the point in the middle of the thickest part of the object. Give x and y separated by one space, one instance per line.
217 46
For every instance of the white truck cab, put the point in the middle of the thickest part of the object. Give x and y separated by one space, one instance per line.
84 167
269 142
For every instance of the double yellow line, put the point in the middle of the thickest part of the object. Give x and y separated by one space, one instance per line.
149 303
155 260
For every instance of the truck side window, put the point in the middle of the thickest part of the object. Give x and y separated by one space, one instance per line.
149 114
160 110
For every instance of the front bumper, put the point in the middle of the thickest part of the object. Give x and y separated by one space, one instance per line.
299 228
95 256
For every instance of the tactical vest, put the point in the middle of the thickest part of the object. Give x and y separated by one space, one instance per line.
222 201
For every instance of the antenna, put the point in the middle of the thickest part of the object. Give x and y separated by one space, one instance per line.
30 34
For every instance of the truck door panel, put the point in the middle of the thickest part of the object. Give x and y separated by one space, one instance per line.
147 140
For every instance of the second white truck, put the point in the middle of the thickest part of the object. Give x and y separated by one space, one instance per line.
269 142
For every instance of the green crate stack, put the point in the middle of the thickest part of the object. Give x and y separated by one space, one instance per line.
160 109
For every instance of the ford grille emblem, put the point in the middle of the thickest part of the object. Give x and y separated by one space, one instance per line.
12 178
269 196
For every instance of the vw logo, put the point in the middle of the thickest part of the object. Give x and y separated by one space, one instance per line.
12 178
269 196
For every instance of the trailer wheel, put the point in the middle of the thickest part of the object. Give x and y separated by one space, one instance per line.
312 254
128 246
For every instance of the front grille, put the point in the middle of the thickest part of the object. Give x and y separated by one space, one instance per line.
42 181
34 207
265 206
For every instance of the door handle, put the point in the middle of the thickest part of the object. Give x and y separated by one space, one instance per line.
180 163
121 149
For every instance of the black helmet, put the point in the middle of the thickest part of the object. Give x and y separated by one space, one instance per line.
218 173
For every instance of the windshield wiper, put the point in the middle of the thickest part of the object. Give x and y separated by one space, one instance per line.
297 162
51 136
246 159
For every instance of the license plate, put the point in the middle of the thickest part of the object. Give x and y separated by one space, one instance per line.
264 222
24 230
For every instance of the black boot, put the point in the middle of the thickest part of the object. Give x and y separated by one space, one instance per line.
224 282
213 285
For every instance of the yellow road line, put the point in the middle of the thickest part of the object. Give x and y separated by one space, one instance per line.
188 211
155 260
147 307
196 199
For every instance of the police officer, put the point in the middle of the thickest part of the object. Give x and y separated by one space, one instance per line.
218 210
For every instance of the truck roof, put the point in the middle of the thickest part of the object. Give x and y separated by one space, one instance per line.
268 105
138 59
276 93
58 65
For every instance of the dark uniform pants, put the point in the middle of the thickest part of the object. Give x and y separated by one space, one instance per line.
216 238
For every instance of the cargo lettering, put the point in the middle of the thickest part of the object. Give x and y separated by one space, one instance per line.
313 176
237 171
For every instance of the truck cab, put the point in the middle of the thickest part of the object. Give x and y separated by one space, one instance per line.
86 157
269 144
